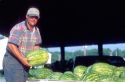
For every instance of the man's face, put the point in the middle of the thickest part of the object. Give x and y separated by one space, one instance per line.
32 20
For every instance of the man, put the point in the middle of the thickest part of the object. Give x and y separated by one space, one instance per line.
24 37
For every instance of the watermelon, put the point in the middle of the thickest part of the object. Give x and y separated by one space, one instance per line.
79 71
68 76
120 80
37 57
107 79
40 73
54 76
119 72
93 77
102 69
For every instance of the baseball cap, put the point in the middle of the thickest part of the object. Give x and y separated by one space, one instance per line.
33 12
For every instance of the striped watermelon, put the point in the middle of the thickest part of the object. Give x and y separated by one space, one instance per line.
79 71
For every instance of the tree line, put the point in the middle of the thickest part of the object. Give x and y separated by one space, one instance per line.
56 56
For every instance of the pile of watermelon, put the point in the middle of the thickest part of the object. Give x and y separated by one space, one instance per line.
97 72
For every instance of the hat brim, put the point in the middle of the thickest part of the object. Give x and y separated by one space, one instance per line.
33 15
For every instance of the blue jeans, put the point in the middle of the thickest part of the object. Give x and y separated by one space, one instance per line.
14 71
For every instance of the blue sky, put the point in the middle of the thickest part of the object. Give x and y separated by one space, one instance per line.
114 46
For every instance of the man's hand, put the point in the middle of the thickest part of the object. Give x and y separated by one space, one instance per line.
36 47
25 62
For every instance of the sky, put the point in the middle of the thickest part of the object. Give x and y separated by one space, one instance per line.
114 46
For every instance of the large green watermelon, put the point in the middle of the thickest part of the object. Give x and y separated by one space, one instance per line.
102 69
54 76
40 73
31 74
107 79
119 72
37 57
93 77
79 71
120 80
68 76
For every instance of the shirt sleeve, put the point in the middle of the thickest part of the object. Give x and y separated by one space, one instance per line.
15 35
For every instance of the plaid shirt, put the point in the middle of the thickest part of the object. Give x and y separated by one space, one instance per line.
25 39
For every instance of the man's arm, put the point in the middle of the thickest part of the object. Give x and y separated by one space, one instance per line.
18 54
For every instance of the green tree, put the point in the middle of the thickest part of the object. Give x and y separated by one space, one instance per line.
107 51
117 52
92 52
69 55
79 53
123 53
55 56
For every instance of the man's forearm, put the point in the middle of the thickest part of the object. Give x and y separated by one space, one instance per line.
15 51
18 55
